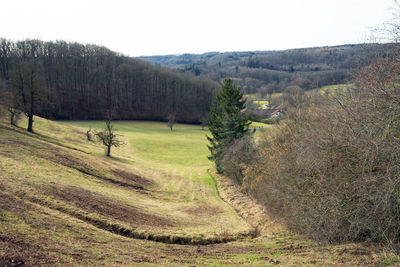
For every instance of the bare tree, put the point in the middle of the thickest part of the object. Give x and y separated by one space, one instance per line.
9 103
108 137
171 121
15 115
89 135
26 84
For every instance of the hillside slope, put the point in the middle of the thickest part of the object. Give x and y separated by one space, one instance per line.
62 202
273 71
76 81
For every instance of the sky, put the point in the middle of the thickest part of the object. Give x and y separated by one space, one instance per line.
161 27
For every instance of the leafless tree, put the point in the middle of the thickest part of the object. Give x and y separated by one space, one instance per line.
171 121
15 115
108 137
89 135
26 85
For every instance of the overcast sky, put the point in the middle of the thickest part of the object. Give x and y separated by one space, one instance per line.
159 27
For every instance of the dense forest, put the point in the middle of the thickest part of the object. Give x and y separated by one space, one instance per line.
273 71
75 81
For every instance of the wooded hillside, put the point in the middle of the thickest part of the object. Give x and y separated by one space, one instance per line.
273 71
78 81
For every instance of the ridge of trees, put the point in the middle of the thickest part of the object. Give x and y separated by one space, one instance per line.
272 71
84 81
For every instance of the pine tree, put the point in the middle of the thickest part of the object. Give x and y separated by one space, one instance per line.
227 121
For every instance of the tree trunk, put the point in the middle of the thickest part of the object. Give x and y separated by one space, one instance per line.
12 118
108 150
30 123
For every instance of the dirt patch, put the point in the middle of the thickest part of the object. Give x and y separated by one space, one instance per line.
78 162
212 250
15 250
356 251
105 206
15 143
203 210
44 138
270 260
130 177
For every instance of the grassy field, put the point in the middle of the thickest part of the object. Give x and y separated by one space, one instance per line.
256 124
261 102
62 202
329 90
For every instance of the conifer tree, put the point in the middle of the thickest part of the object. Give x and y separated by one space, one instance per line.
227 121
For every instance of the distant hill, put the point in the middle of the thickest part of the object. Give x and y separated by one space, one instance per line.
83 81
272 71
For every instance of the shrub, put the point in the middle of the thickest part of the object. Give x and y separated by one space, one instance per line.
236 157
332 169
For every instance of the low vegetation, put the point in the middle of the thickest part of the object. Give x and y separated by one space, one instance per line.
331 170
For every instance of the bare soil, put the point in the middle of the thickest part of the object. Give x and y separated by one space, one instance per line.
130 177
100 204
203 210
15 249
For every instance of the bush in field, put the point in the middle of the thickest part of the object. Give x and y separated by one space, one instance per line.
332 170
236 157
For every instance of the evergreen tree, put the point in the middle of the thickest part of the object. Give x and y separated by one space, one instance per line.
227 122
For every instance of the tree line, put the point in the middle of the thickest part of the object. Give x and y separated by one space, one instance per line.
62 80
272 71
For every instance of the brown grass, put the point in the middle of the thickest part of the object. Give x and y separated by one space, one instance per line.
59 206
112 208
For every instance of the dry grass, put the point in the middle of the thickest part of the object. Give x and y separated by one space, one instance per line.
63 203
110 194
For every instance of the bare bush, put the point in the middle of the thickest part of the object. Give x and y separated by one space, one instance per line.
236 157
333 169
171 121
14 115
